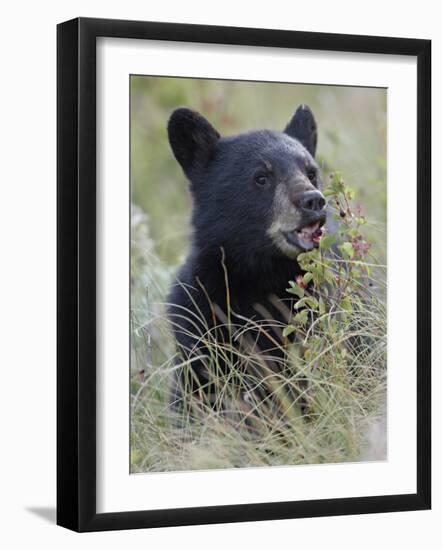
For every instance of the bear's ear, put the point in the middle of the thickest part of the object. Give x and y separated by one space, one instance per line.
303 128
192 138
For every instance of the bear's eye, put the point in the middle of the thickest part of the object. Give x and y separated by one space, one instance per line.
261 179
311 174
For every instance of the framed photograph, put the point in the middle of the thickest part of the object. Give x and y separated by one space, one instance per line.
243 274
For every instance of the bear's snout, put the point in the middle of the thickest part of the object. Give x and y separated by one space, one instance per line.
312 201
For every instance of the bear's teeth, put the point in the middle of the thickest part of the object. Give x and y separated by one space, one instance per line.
309 230
312 227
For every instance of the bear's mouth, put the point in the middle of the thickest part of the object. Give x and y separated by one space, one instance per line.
307 236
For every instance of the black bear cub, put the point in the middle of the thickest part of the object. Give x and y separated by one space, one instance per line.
257 204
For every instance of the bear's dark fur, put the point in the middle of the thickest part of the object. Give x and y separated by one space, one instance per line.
256 205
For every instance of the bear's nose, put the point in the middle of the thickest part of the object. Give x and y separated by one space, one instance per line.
312 201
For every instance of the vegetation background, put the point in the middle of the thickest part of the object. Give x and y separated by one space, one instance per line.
352 140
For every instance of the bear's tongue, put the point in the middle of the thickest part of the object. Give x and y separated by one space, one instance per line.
311 232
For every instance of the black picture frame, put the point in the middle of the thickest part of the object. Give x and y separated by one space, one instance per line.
77 287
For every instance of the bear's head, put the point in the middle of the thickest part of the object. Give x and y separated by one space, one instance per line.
254 193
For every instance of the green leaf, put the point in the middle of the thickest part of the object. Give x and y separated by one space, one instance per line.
308 256
329 192
307 301
288 330
312 302
302 317
327 240
296 290
307 278
321 306
351 193
347 249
